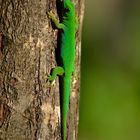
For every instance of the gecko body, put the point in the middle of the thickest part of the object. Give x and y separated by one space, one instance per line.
68 28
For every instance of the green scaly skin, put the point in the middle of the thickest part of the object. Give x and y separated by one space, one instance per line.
67 54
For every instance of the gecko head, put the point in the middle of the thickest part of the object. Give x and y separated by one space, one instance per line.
68 7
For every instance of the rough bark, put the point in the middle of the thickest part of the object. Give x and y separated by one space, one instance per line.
30 108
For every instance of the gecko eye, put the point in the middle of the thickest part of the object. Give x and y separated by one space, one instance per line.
66 10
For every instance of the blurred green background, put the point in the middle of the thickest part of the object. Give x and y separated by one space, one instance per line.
110 71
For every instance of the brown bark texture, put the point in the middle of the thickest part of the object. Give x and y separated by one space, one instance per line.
29 106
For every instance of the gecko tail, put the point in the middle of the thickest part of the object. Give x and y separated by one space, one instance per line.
65 105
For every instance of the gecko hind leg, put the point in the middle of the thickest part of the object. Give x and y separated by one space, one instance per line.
56 71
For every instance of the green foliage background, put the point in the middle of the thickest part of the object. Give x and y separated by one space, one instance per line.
110 72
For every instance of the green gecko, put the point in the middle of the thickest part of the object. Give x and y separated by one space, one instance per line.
68 28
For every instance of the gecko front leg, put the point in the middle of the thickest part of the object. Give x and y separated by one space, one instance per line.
55 21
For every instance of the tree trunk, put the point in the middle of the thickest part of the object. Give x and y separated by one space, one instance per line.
29 106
